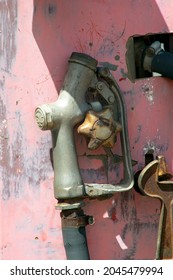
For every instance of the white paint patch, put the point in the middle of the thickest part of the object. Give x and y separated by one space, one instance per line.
150 146
113 202
121 242
149 95
148 92
105 215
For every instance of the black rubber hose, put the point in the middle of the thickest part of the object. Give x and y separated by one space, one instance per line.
74 235
75 243
163 63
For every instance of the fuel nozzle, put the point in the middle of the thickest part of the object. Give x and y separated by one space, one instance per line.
60 117
156 59
90 95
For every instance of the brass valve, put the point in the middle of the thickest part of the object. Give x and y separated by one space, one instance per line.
101 128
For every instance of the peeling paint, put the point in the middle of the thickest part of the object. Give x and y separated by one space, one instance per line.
105 215
30 230
147 88
107 47
135 228
157 148
4 155
8 31
16 171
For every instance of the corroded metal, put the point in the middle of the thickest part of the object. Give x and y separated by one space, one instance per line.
150 184
100 128
74 218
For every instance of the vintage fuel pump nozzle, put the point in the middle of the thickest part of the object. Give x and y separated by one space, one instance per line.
88 94
155 59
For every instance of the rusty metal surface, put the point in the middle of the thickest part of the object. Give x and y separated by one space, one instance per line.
151 186
75 219
43 33
100 128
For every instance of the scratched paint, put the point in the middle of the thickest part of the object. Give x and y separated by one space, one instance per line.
40 35
148 91
8 31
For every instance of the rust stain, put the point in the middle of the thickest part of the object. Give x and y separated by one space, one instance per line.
112 213
8 28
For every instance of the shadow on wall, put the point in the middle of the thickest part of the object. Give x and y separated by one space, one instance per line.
61 27
101 29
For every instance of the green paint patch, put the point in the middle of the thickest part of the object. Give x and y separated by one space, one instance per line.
117 57
124 74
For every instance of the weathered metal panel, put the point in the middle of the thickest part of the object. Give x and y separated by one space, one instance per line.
36 39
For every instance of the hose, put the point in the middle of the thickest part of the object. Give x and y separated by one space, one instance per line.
74 234
163 63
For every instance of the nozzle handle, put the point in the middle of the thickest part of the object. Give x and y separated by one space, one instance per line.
67 179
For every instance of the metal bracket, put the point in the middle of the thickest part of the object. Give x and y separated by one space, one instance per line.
109 90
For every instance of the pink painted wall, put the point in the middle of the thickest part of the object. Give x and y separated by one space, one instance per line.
36 39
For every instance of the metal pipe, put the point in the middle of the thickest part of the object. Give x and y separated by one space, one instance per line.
84 86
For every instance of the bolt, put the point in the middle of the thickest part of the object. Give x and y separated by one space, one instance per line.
111 99
43 116
99 85
91 220
150 51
